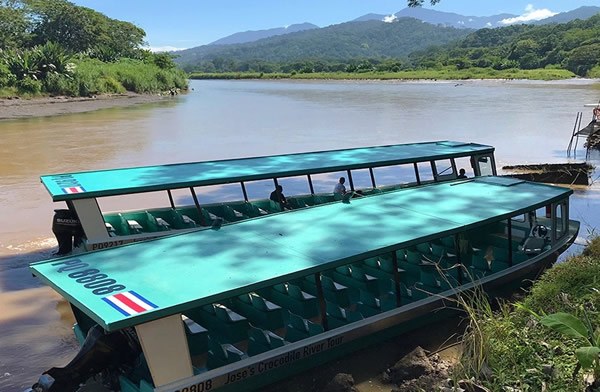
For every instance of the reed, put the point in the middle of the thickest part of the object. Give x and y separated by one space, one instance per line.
509 347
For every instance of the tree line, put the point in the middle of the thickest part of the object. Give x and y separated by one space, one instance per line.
57 47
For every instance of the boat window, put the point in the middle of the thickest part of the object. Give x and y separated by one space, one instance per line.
395 175
444 169
425 172
325 182
485 165
361 179
182 197
465 163
137 201
219 193
260 189
519 218
294 185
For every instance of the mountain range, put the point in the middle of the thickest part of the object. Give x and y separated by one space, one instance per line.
427 15
370 36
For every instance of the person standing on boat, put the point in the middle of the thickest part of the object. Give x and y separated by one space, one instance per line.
462 174
339 187
278 197
67 230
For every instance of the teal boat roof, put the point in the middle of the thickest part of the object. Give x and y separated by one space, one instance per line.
69 186
176 273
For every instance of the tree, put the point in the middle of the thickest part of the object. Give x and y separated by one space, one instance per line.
13 24
418 3
82 30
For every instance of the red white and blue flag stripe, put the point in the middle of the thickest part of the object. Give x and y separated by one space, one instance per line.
129 303
73 189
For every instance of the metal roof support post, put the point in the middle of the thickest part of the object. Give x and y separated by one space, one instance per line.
244 191
396 279
458 258
372 177
350 179
510 250
310 184
171 198
321 298
197 203
417 173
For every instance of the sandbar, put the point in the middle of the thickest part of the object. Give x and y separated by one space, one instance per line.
16 108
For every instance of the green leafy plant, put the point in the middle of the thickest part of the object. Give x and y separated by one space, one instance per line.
569 325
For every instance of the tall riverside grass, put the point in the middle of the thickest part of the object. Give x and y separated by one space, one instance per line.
92 76
448 73
510 348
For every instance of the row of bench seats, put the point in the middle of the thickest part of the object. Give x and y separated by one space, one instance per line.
150 221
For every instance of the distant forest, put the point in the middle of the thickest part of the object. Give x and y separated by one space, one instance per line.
392 47
55 47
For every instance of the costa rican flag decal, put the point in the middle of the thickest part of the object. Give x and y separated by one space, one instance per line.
74 189
129 303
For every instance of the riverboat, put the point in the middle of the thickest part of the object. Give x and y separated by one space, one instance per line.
182 191
241 306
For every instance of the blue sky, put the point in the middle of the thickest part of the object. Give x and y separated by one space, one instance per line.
178 24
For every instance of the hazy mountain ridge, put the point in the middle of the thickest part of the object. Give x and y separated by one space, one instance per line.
255 35
370 39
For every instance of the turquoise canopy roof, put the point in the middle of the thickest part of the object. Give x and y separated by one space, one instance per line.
180 272
69 186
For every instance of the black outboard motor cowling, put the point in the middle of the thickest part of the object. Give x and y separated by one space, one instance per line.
67 230
101 352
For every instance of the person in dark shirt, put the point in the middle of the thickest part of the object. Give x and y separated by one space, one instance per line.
462 174
278 197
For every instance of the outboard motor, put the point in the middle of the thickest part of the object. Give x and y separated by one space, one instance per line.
108 353
67 230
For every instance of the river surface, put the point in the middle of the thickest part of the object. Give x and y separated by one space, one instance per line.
527 122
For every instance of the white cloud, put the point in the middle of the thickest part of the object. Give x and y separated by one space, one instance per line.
460 22
390 18
529 15
488 24
157 49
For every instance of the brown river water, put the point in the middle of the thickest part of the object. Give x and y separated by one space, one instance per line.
527 122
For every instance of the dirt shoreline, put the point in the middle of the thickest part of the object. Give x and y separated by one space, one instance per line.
18 108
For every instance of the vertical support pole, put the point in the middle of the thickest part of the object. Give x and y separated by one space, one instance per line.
244 191
171 198
350 180
459 259
321 298
310 185
169 358
372 177
396 278
197 203
510 252
417 173
434 171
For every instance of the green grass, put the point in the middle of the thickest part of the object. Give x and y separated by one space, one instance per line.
449 73
515 346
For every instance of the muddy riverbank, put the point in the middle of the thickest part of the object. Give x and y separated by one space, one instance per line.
16 108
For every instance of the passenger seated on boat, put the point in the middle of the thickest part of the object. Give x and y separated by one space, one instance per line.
278 197
462 173
339 187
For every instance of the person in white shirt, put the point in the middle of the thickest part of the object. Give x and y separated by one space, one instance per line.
339 187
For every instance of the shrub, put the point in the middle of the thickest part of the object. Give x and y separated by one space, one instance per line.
29 86
60 85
